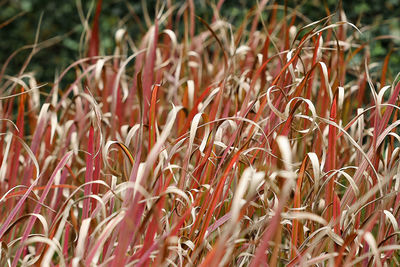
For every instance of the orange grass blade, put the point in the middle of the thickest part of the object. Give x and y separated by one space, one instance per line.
215 196
296 205
331 157
148 72
385 67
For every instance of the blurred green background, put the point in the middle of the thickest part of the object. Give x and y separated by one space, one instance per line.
61 20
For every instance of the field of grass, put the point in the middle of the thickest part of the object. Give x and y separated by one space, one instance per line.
274 143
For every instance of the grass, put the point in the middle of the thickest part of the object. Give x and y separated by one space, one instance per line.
263 144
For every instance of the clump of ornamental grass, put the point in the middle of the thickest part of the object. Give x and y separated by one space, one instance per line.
204 144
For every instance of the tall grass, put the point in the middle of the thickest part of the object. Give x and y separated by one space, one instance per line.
205 144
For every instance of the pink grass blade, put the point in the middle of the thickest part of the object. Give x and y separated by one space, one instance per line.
17 145
88 173
152 117
148 70
39 131
349 195
20 203
32 220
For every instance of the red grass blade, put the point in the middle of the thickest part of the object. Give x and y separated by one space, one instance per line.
296 205
94 42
